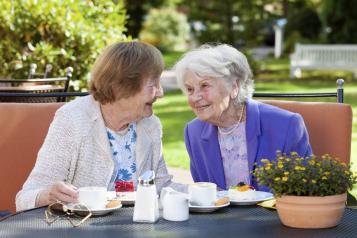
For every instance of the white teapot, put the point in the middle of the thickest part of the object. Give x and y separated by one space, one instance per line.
174 205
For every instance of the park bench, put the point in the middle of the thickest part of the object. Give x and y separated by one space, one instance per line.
329 57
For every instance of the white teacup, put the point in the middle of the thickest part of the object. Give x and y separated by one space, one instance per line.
174 204
95 198
202 194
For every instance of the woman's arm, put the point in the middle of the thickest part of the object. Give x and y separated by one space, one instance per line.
298 137
162 177
193 169
52 166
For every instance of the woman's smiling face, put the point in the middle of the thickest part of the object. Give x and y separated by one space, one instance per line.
208 97
142 102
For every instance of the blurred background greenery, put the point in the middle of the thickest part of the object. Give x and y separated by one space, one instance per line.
174 111
73 32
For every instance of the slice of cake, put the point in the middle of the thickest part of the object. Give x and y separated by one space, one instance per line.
241 192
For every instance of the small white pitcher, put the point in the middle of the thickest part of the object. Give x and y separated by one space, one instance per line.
174 204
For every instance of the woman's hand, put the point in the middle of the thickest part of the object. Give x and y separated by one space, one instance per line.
60 191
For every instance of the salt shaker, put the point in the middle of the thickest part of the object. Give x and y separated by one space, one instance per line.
146 207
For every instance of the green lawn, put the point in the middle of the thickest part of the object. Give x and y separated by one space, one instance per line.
171 58
175 113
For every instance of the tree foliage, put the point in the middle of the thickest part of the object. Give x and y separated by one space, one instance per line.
63 33
340 19
304 20
228 21
137 11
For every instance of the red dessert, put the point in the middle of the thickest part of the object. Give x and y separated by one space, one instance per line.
124 186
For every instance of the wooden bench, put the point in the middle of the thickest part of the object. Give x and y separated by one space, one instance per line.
330 57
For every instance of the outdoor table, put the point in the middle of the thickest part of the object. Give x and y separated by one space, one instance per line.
30 88
232 221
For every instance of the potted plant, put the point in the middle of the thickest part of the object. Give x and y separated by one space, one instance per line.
310 192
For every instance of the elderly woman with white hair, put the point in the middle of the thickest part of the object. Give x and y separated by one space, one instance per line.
232 132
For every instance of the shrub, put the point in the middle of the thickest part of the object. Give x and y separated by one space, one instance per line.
166 28
63 33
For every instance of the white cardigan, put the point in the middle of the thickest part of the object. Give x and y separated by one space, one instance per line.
76 150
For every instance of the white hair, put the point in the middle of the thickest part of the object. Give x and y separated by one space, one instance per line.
219 62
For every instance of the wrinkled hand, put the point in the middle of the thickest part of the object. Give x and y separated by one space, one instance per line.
60 191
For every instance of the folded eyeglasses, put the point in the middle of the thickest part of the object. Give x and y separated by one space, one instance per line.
76 215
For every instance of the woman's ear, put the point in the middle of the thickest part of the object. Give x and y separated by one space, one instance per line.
234 90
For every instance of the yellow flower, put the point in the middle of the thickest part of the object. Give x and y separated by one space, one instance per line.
265 161
304 175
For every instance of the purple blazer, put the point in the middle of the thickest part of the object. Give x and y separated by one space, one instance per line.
268 129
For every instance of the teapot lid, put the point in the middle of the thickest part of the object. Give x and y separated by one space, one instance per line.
147 178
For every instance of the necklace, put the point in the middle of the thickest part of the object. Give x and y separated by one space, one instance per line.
227 132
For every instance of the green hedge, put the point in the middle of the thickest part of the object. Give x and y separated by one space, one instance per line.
63 33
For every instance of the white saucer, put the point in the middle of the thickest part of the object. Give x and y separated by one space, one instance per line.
126 198
260 196
97 212
206 208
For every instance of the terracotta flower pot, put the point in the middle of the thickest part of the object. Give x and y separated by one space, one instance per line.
311 211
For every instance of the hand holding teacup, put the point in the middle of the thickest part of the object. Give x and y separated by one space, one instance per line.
59 191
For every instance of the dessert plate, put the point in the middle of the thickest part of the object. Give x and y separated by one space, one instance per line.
97 212
260 196
206 209
126 198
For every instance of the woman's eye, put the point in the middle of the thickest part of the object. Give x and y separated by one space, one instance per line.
204 86
189 90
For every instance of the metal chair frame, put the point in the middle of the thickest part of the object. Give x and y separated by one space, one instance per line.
40 93
63 95
338 94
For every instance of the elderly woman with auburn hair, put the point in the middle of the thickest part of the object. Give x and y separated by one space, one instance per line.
232 132
108 136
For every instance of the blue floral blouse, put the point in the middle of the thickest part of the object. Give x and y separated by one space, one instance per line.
123 152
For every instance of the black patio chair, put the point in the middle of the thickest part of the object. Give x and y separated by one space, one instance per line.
34 89
338 94
33 74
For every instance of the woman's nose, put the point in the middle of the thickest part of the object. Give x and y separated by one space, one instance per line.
196 96
159 92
